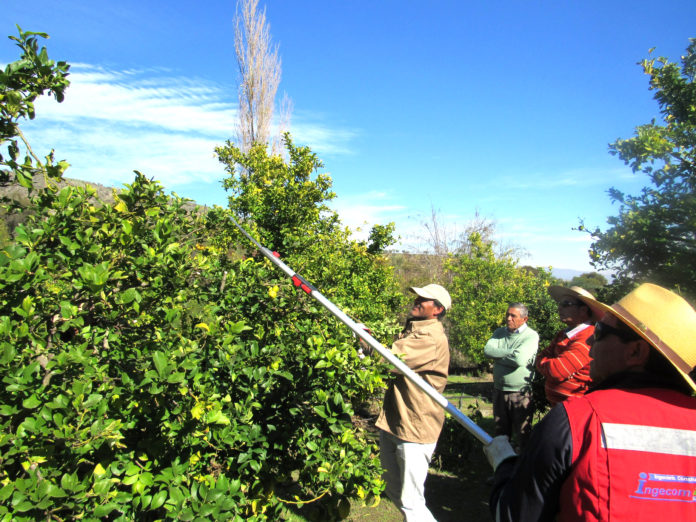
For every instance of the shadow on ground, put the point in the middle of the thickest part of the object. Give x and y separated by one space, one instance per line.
462 497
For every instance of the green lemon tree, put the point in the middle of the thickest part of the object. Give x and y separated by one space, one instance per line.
154 367
483 285
652 237
21 83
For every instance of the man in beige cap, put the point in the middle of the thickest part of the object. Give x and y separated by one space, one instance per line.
410 421
565 363
627 449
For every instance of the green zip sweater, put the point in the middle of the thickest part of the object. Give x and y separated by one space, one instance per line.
514 355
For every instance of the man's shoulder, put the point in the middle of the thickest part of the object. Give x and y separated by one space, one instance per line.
631 400
530 332
431 326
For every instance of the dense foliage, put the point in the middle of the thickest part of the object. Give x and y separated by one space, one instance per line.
154 367
654 235
481 288
590 281
284 205
21 83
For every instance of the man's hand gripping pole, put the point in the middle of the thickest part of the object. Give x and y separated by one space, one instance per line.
308 288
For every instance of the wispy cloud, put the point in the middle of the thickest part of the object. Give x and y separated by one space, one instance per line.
167 126
361 211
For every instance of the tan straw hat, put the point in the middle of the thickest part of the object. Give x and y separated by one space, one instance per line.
665 320
436 292
577 292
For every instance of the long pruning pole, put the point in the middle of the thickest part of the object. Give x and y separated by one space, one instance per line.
308 288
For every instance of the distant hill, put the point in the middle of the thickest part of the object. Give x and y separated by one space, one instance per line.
15 192
567 273
19 194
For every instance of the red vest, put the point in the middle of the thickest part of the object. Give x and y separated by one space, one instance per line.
634 457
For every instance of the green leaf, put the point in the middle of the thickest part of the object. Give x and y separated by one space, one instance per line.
93 400
69 481
32 402
217 417
7 353
161 363
158 499
176 377
6 491
23 180
24 506
103 511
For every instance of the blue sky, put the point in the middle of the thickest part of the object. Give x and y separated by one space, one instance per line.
504 108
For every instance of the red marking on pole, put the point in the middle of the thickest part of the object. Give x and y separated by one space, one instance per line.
298 282
276 254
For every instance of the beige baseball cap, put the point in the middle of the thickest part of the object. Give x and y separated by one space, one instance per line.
433 291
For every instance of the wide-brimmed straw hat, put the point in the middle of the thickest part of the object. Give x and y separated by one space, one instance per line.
663 319
576 292
433 291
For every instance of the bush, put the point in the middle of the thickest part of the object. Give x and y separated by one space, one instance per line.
153 369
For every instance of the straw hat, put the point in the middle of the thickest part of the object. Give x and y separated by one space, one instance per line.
663 319
436 292
576 292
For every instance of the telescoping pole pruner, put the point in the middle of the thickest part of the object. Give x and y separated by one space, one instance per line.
304 285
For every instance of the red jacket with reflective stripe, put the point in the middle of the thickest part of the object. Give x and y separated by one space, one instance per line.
633 457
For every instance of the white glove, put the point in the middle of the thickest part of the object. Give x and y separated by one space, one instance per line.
498 450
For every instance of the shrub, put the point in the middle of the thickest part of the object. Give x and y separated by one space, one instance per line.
153 369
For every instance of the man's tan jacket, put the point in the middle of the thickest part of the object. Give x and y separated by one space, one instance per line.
408 412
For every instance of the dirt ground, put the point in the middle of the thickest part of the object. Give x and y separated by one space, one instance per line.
463 497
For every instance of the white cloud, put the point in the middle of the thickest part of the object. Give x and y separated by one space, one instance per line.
362 211
115 121
323 139
502 188
136 98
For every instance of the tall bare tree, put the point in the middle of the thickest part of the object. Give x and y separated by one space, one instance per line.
259 74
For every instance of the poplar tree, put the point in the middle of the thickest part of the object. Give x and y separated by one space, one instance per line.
259 74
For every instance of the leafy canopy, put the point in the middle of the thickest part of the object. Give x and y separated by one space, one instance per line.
482 286
152 369
21 83
653 237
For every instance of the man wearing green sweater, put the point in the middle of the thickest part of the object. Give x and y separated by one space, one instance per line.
513 348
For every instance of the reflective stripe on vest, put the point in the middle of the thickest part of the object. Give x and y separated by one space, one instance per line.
634 457
654 439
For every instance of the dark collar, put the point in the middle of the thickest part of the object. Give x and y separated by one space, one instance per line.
631 380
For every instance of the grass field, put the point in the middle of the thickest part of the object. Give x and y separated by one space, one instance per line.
450 496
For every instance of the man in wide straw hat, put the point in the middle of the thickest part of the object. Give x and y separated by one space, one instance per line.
565 363
627 449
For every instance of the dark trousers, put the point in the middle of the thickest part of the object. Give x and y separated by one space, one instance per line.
513 412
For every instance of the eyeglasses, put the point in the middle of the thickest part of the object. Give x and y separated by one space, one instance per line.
603 329
568 303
